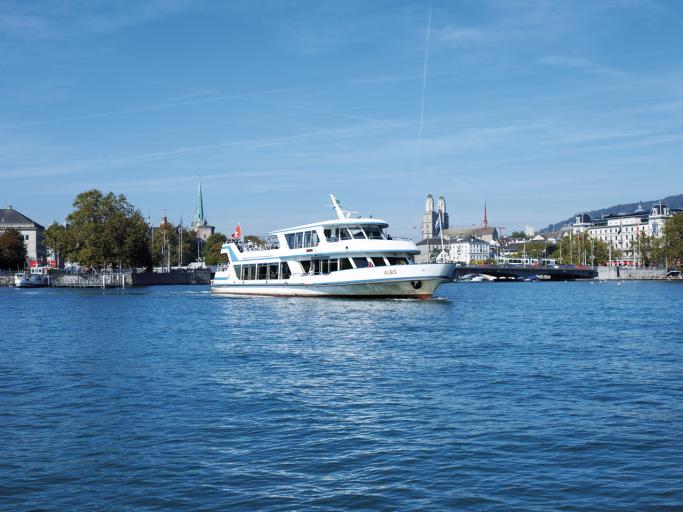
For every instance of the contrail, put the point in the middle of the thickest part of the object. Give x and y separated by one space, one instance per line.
424 89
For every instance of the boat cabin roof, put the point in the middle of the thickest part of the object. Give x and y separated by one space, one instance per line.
334 223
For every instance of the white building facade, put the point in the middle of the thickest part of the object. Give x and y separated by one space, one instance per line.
468 250
625 231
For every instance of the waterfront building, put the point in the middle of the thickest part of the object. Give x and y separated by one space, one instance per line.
430 217
469 250
200 225
31 232
623 231
581 223
512 247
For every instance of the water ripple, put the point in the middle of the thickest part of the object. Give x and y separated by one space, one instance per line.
557 396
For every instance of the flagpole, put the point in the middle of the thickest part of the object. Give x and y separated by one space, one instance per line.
441 232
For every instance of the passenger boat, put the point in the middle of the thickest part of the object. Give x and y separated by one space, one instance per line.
343 257
36 277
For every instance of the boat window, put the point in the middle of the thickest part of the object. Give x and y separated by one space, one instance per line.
248 272
360 262
306 266
324 267
334 265
378 262
238 271
285 272
262 271
272 271
345 264
330 235
357 232
344 234
314 239
307 239
398 261
373 232
299 241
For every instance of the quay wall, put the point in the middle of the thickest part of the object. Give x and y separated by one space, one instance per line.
613 273
114 279
197 276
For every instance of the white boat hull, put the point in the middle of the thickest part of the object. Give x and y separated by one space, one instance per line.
34 281
403 281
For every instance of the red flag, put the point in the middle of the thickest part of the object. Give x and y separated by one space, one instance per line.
237 234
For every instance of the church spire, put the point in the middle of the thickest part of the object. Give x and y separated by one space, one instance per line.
486 222
199 219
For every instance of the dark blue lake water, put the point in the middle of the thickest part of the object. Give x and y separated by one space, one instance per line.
498 396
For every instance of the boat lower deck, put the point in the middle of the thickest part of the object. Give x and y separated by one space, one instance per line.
411 281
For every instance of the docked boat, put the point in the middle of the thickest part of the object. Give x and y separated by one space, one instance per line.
36 277
342 257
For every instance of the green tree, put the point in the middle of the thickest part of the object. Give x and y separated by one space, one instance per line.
102 230
212 249
189 248
519 235
12 250
57 238
536 249
652 251
257 240
672 241
579 248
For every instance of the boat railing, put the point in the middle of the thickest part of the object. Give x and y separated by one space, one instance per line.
333 239
258 247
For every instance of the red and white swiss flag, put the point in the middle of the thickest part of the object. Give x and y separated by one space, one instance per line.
237 234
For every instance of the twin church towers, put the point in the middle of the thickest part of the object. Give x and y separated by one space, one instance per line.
430 217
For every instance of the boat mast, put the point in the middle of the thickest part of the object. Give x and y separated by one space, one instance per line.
337 207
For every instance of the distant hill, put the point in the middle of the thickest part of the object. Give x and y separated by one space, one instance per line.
673 202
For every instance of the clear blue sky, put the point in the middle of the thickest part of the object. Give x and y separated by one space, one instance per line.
540 108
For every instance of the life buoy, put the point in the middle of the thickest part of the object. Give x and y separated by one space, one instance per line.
416 284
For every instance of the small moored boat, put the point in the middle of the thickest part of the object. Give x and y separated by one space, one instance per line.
36 277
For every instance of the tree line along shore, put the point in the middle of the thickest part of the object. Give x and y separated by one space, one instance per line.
106 231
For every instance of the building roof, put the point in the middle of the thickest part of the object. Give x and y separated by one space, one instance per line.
583 218
471 231
10 217
430 241
470 239
514 246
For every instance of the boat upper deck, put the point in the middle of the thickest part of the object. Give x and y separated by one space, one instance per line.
335 223
342 235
